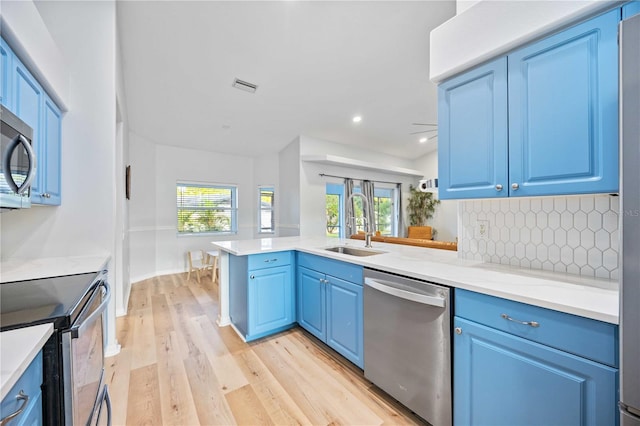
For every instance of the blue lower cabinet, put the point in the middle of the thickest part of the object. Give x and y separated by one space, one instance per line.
312 302
344 319
331 307
512 365
29 385
261 301
270 300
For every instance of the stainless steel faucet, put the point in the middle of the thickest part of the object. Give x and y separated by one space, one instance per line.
367 226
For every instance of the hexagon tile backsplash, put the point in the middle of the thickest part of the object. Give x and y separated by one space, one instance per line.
576 234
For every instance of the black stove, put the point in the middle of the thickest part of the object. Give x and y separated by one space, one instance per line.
62 301
56 300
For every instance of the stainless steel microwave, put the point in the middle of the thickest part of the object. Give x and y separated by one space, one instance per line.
18 162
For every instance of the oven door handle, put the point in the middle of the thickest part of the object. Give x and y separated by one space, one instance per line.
77 329
384 287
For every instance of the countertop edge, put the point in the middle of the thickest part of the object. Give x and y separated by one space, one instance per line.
32 339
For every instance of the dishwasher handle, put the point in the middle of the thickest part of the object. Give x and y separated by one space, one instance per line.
384 287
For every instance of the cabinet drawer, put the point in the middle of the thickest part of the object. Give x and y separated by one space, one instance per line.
588 338
335 268
29 383
269 260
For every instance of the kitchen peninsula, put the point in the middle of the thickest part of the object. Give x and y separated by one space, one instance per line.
468 328
583 296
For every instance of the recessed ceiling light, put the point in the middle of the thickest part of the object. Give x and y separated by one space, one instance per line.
357 119
422 140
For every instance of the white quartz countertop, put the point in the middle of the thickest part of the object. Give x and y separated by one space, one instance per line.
17 349
29 269
588 297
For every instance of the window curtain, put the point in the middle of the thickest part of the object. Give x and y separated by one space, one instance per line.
366 187
349 221
401 232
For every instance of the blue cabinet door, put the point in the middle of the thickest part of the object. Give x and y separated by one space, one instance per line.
29 383
270 300
501 379
472 133
50 183
630 9
28 97
312 302
344 319
563 112
6 66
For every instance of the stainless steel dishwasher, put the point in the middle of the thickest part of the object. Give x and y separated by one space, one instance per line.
407 343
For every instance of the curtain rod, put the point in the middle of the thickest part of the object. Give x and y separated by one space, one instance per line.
345 177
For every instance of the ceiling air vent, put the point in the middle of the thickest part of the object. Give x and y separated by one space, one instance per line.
243 85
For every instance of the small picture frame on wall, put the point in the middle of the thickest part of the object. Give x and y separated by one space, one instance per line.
127 183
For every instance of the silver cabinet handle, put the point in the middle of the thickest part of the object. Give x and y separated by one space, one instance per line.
458 330
515 186
46 195
529 323
384 287
498 187
270 260
252 276
20 397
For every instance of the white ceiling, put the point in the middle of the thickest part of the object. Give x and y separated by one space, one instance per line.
316 64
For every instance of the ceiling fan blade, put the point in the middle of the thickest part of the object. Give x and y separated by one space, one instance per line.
424 124
424 131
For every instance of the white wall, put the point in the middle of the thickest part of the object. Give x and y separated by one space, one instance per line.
84 223
289 206
121 237
312 190
462 5
156 249
445 218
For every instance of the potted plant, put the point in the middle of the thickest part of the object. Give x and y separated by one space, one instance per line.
421 206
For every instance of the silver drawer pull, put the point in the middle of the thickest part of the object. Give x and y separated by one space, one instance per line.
531 323
271 260
21 396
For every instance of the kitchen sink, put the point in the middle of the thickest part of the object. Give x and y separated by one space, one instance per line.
352 251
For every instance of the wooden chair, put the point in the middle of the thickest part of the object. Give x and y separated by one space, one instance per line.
212 264
420 232
197 263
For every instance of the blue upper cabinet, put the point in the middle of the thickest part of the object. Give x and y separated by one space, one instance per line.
630 9
472 133
563 112
547 126
47 186
22 94
6 64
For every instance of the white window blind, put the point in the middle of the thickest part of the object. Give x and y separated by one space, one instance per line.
206 209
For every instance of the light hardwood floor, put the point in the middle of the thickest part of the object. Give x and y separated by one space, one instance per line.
177 367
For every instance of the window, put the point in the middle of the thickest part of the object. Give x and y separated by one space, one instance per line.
384 205
206 209
334 209
267 218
